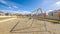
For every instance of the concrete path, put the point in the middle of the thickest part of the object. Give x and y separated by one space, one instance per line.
25 27
6 20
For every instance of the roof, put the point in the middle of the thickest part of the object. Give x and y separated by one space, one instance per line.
1 12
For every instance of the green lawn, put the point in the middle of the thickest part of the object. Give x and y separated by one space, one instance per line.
46 19
50 20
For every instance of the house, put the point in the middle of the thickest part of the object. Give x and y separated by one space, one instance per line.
2 13
54 14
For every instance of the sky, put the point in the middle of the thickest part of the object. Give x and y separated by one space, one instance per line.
26 6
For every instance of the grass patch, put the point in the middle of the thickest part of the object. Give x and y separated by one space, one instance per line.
49 20
54 21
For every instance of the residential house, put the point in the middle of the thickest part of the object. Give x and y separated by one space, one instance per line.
2 13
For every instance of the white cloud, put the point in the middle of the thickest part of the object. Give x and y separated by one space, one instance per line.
9 7
2 1
19 11
15 7
58 3
24 12
10 4
54 6
51 4
50 10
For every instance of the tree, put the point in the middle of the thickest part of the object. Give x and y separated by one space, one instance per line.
44 14
6 13
58 14
18 15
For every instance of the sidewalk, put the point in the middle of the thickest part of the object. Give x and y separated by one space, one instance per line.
6 20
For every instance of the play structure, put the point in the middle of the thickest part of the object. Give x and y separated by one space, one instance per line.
28 23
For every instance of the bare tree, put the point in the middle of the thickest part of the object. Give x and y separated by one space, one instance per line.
58 14
44 14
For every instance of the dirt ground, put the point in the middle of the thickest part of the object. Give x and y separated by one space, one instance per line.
29 26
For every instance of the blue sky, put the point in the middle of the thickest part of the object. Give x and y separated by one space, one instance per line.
26 6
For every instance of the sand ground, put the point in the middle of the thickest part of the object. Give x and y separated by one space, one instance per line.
26 26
